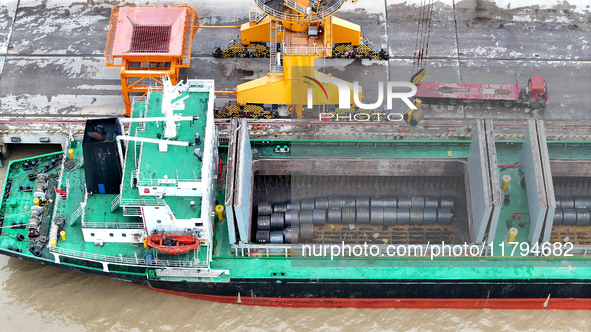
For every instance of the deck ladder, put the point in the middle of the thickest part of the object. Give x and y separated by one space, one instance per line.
115 202
274 68
79 164
77 214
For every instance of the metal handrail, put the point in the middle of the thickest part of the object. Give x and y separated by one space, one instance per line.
113 225
79 211
124 260
295 5
159 182
304 50
132 211
115 202
325 12
142 202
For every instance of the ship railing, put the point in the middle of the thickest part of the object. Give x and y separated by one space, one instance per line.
143 99
132 211
61 197
78 137
122 260
142 202
158 182
113 225
385 250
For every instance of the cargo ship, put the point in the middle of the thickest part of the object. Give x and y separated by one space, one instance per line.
164 200
167 199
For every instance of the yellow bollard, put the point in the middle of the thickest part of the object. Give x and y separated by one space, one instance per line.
512 234
63 235
145 242
449 154
52 242
220 210
506 181
71 152
36 201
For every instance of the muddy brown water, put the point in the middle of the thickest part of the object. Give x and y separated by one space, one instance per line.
35 297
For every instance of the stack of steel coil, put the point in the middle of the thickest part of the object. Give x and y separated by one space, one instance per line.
572 211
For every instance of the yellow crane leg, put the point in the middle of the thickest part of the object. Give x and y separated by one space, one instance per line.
300 111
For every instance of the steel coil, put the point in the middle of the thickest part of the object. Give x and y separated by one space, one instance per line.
362 216
292 218
288 204
362 202
306 233
276 237
402 216
389 216
390 202
334 216
443 216
349 201
377 216
277 221
583 217
567 203
404 202
429 216
279 207
264 209
582 202
291 235
321 203
377 201
307 204
558 205
348 215
557 217
446 202
264 223
569 216
319 217
306 217
417 202
262 236
335 202
431 202
416 216
295 205
383 202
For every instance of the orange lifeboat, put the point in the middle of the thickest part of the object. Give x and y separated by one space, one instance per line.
173 244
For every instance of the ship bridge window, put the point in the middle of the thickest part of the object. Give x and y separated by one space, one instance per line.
92 234
111 235
124 235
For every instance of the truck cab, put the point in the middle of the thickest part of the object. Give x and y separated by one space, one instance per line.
537 91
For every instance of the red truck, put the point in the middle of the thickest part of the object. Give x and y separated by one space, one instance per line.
535 95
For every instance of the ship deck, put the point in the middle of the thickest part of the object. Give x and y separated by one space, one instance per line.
259 264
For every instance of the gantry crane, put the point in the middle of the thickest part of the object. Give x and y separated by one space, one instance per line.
297 32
